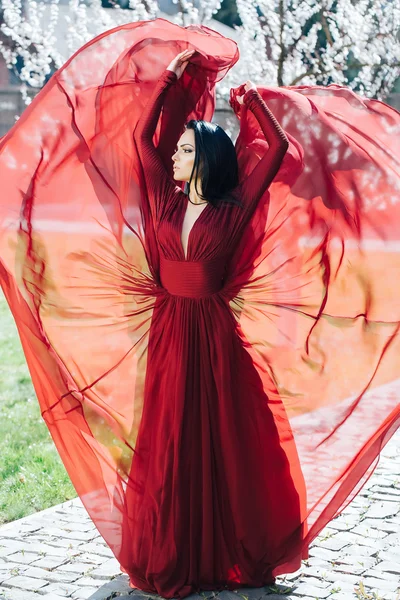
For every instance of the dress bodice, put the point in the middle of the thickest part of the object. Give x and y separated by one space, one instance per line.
209 237
214 233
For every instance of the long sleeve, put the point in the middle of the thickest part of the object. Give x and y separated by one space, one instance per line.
258 181
158 183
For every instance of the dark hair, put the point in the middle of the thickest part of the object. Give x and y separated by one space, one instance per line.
215 162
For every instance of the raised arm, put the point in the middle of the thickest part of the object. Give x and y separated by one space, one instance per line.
159 184
258 181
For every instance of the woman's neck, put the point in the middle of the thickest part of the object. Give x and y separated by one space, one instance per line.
193 195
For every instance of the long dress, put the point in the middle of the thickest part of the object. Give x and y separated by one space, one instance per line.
219 501
214 411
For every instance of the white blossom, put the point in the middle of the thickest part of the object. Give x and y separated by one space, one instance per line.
279 40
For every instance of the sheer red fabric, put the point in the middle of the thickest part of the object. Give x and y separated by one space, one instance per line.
214 411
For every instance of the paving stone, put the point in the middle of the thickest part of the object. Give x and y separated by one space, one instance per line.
357 561
80 536
289 577
16 594
351 569
90 581
119 584
395 520
343 596
386 525
84 593
376 544
393 539
11 533
349 515
361 550
315 571
369 532
94 559
49 562
108 569
385 497
9 569
343 578
290 597
123 597
381 510
52 597
228 595
381 585
387 489
315 561
25 558
96 548
376 573
38 548
314 582
76 567
334 543
309 590
323 553
389 567
10 546
391 554
344 587
57 576
84 526
62 589
343 525
26 583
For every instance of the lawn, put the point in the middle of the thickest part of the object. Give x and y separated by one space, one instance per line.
32 476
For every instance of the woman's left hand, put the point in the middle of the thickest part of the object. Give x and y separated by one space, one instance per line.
249 85
180 62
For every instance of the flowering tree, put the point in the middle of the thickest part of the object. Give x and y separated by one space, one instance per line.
302 42
282 42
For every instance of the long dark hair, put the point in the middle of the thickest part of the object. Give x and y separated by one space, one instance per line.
215 162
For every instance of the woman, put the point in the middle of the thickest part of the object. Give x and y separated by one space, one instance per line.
216 368
215 430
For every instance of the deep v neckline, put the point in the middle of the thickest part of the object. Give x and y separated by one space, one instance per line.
185 207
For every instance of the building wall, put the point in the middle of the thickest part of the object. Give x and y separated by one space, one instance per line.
4 73
12 105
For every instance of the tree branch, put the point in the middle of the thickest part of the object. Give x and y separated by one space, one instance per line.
325 27
282 55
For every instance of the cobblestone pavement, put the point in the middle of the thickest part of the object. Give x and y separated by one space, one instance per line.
58 553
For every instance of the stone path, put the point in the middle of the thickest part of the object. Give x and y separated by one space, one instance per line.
58 553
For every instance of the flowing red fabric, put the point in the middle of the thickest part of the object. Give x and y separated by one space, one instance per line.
210 429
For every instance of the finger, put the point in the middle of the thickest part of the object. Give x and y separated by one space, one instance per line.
181 55
184 57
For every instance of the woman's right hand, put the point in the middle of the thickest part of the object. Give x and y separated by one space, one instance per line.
180 62
249 85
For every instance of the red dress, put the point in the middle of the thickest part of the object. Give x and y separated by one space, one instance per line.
214 411
208 459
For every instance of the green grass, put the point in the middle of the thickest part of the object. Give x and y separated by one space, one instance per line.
32 476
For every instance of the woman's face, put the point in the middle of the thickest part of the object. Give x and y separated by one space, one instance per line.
184 156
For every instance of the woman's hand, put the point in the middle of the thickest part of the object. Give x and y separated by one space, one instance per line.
180 62
249 85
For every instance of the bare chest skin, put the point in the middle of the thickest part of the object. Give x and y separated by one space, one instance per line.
191 216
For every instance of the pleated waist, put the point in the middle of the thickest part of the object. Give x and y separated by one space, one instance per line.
192 279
